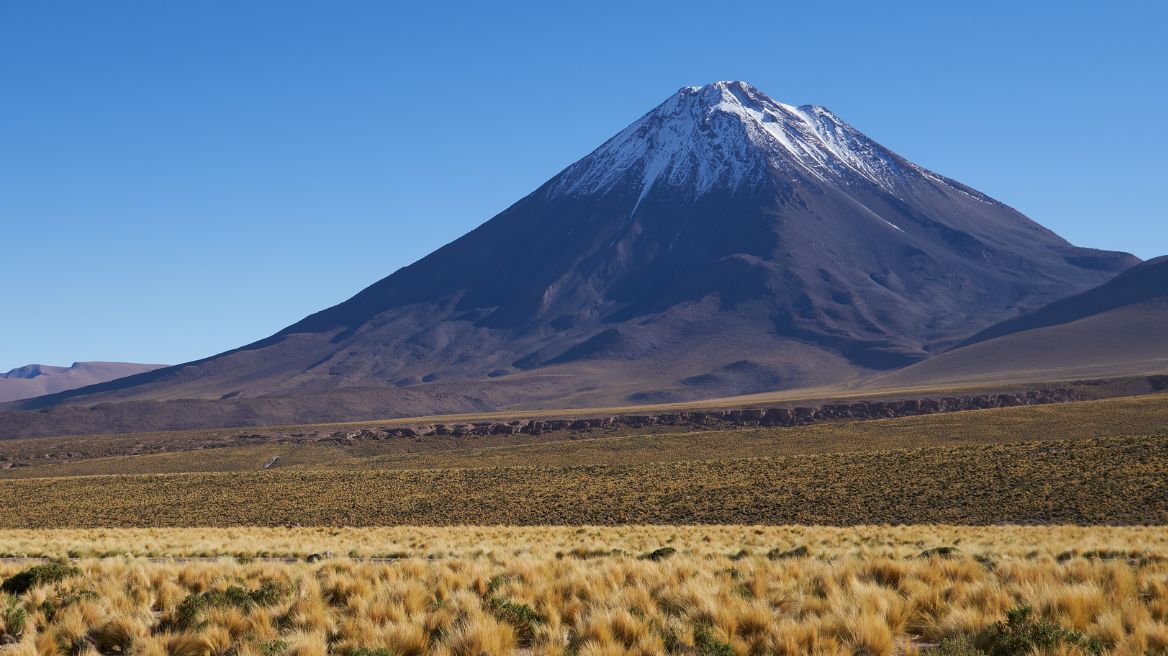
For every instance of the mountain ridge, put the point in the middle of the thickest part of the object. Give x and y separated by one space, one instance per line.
33 380
1143 282
1117 328
722 242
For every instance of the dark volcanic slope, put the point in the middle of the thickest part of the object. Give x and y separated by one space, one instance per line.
1120 327
724 243
1146 283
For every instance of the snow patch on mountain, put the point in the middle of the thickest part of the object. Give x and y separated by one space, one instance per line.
730 135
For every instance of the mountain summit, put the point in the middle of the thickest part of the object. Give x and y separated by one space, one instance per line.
723 243
731 136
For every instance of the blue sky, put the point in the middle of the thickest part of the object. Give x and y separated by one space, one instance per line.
180 178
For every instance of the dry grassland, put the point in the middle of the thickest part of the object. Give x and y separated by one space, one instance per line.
544 542
593 590
618 575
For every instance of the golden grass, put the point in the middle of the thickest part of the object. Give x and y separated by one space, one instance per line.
561 590
545 542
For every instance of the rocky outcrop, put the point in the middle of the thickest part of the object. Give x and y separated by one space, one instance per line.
731 418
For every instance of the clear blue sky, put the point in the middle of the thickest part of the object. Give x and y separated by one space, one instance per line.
180 178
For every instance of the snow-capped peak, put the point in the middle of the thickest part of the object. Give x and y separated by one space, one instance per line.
731 134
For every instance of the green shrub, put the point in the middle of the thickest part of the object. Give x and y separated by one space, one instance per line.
272 647
939 552
659 554
14 617
37 575
708 645
798 552
64 599
585 554
520 616
187 613
1022 633
495 583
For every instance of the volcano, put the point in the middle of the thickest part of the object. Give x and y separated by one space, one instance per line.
723 243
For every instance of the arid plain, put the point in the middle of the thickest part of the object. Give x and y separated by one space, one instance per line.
919 534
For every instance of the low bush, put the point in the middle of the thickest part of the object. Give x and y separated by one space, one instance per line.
278 647
708 645
13 619
522 617
779 554
955 647
186 615
939 552
1022 634
659 554
37 575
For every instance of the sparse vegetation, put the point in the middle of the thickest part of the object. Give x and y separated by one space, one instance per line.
1068 463
1089 481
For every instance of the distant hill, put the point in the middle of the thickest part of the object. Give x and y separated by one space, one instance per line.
38 379
1118 328
724 243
